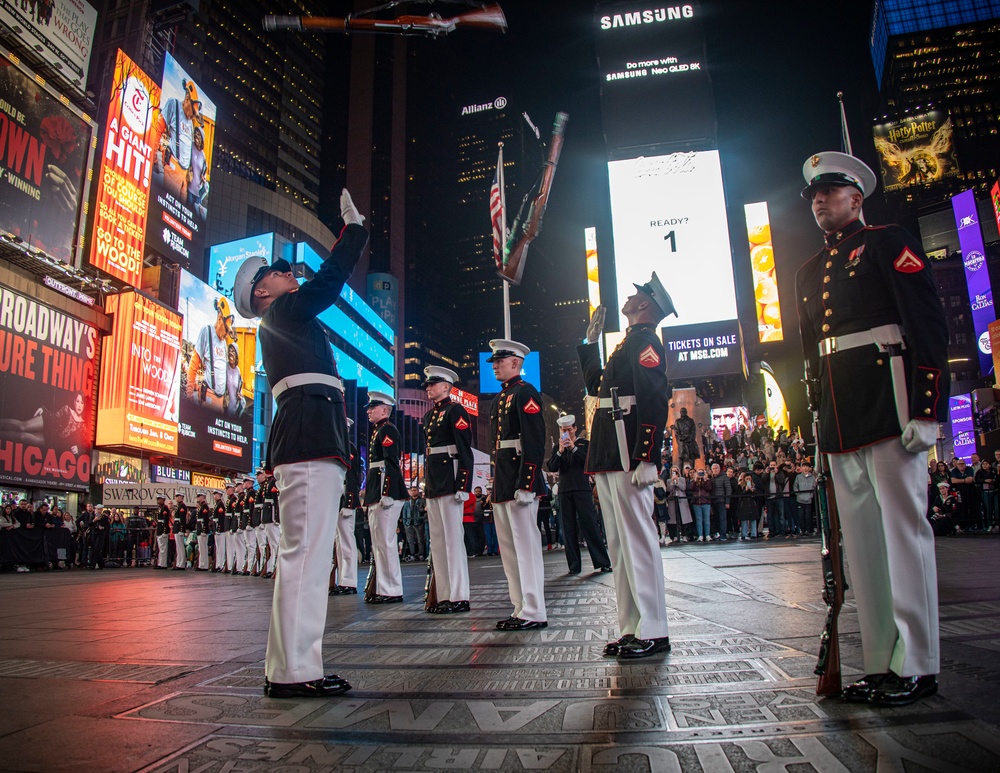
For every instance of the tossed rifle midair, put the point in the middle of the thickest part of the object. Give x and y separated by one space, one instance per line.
485 17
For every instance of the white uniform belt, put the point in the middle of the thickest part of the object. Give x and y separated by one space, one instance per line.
514 443
452 450
627 402
882 336
376 465
301 379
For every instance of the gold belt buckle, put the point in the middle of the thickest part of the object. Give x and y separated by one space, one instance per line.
828 346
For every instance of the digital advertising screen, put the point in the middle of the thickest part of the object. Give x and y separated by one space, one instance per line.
916 150
531 371
962 432
467 400
765 279
731 420
703 350
140 376
124 176
48 362
217 378
60 31
977 275
46 149
109 468
184 134
593 271
669 216
655 86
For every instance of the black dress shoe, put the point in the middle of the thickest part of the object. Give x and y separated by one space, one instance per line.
389 599
343 590
458 606
861 691
903 690
604 569
441 608
504 625
326 687
612 648
573 571
269 575
517 624
644 648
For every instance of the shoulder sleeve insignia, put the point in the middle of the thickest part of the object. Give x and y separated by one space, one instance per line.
387 441
461 423
532 407
649 358
908 262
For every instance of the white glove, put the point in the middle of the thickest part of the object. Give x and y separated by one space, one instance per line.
919 435
346 512
645 475
523 497
596 326
386 502
461 496
348 211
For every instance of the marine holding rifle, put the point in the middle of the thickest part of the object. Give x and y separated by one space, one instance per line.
624 458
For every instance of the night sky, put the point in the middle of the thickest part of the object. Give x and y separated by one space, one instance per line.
776 68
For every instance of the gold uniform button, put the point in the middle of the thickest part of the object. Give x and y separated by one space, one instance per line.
826 280
826 296
878 362
646 443
851 274
804 299
927 411
825 328
928 393
829 264
930 376
828 313
833 251
840 234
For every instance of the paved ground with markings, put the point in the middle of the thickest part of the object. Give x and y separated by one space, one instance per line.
161 672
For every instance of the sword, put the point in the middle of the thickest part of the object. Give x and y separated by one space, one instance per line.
618 415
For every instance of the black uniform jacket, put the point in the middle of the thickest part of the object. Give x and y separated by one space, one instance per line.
257 513
163 520
219 516
204 518
448 424
233 513
863 278
516 414
180 522
351 498
385 445
268 496
637 368
311 421
245 504
570 465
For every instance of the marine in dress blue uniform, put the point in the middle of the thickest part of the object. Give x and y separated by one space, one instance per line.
219 531
307 450
637 369
518 429
204 529
345 545
162 531
448 469
875 339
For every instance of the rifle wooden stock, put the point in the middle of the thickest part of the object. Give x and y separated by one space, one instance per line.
828 663
487 18
513 263
430 585
334 568
371 584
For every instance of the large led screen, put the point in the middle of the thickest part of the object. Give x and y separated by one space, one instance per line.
46 148
140 376
916 150
962 432
126 168
531 371
47 366
217 378
185 134
669 216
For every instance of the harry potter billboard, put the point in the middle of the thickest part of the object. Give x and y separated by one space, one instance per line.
916 150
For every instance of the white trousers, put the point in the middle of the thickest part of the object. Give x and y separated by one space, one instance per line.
258 550
451 564
347 551
162 550
383 522
180 560
521 554
233 543
635 555
241 550
298 608
889 545
272 532
203 551
221 549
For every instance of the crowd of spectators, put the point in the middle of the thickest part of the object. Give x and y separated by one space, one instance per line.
962 496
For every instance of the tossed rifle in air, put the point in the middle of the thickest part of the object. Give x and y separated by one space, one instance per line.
487 17
527 225
834 585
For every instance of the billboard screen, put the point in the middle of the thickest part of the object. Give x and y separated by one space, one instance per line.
126 167
655 87
916 150
593 272
977 275
48 363
60 31
531 371
765 279
731 420
217 378
184 132
703 350
46 148
962 432
669 216
467 400
140 376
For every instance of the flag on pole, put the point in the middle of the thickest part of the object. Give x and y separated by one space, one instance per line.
845 134
497 212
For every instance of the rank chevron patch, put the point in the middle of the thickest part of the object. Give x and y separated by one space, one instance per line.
908 262
461 423
532 407
387 441
648 357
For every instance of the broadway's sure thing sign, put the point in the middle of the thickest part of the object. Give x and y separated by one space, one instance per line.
47 368
45 150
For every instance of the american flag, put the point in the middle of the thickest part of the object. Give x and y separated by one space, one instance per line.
496 212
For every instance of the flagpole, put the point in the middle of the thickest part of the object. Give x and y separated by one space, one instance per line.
503 250
845 137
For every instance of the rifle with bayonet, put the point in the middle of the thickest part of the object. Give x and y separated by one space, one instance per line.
488 17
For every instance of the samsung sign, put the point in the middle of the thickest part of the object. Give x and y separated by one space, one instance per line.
648 16
497 104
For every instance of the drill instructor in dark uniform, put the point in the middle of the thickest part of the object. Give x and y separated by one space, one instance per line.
204 528
271 519
576 499
448 484
162 531
518 429
307 450
220 531
875 341
637 369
